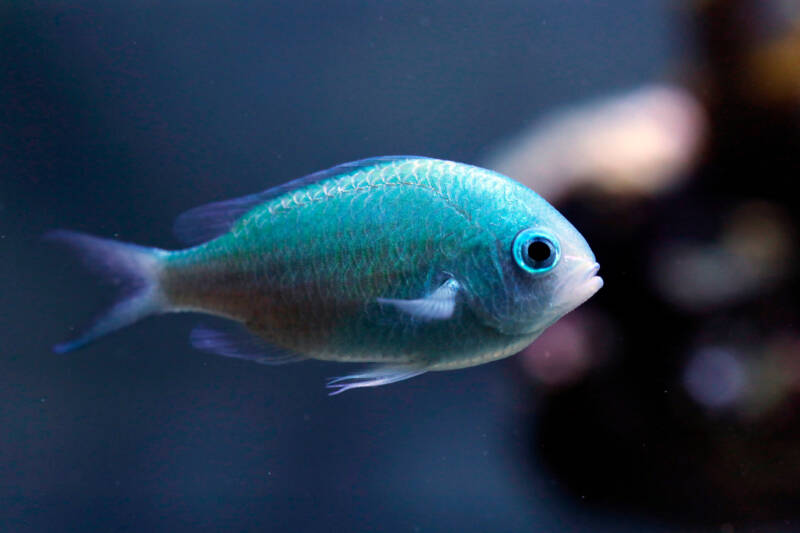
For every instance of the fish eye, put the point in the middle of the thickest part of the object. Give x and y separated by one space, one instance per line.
535 252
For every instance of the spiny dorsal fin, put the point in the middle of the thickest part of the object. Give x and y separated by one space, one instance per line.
208 221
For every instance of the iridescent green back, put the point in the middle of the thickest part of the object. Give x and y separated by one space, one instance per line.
304 270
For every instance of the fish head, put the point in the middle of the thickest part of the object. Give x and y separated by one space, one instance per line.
545 268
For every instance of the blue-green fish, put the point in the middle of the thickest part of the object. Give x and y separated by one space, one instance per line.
410 263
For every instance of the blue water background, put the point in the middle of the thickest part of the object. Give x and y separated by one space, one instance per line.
116 116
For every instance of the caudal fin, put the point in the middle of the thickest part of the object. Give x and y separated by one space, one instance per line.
136 269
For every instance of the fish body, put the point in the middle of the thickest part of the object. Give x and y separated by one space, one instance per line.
413 263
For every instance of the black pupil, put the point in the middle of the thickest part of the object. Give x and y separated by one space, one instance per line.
538 251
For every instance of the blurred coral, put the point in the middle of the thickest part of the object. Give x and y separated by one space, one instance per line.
754 252
567 350
641 142
696 414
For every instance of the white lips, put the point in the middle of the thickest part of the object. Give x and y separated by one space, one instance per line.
592 283
579 286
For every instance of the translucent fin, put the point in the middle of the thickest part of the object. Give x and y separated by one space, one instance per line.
205 222
438 305
208 221
379 375
135 268
239 344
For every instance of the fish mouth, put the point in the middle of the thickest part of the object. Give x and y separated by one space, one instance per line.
578 286
592 282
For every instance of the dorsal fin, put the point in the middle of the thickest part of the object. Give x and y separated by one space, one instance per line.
208 221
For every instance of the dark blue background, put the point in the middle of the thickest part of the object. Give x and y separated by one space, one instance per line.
116 116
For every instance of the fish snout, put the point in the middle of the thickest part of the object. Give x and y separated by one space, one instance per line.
590 282
580 284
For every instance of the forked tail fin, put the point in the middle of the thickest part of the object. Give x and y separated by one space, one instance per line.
136 269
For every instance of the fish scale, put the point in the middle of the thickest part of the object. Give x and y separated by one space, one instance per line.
402 261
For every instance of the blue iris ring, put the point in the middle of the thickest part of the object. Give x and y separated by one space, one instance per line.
535 251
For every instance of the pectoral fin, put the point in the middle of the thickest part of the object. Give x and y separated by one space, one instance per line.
374 377
438 305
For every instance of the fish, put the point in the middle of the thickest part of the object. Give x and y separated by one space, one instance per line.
408 264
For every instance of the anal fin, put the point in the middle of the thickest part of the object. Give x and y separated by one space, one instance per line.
374 377
239 343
